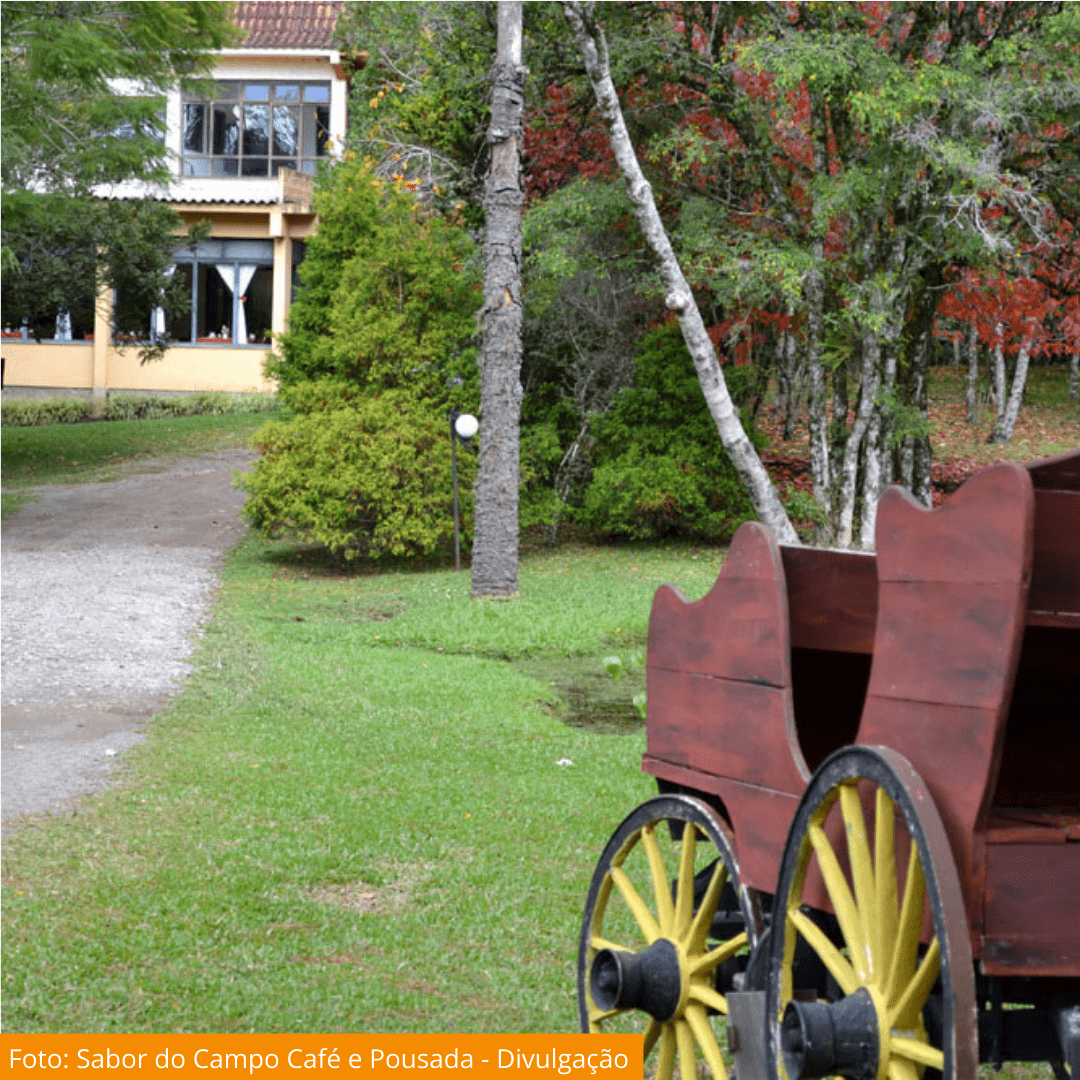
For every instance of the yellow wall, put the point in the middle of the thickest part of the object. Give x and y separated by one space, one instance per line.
71 367
212 367
62 366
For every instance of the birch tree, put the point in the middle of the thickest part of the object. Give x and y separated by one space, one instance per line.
679 298
495 544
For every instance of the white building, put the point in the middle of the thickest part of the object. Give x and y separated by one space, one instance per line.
244 157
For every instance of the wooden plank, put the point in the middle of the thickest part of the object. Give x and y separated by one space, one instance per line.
739 630
945 642
1031 927
719 671
951 603
832 598
723 727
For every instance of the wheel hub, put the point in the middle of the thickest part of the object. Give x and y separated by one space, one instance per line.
650 980
819 1039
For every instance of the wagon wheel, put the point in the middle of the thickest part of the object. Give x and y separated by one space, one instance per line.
666 883
892 875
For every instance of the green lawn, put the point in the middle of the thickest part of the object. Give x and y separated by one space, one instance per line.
353 819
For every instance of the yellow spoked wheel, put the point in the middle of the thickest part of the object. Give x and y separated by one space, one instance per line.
870 972
666 928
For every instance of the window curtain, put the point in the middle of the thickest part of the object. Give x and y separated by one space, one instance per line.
159 325
238 287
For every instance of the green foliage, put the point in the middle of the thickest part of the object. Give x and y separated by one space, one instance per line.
540 454
380 346
660 469
369 477
420 86
65 129
34 412
389 292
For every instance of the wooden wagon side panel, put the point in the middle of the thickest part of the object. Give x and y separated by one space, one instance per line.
719 684
952 595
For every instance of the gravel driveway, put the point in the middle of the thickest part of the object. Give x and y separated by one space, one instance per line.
104 588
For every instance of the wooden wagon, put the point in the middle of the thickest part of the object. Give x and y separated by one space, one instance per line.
866 850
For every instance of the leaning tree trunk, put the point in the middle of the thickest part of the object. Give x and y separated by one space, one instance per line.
495 543
680 299
973 372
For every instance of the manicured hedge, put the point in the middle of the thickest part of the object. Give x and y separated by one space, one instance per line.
33 412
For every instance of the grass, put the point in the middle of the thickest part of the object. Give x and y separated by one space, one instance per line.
80 453
353 818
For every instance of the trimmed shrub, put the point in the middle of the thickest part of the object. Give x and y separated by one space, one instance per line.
368 477
36 412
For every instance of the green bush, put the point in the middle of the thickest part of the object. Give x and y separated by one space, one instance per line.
368 476
380 345
389 292
36 412
659 466
152 407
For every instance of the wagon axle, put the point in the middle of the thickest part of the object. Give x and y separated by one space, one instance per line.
649 980
841 1038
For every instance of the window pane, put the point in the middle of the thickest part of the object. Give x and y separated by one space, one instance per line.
196 167
227 91
215 306
259 306
290 92
317 92
286 130
179 326
256 130
316 130
226 166
254 166
226 130
256 92
195 129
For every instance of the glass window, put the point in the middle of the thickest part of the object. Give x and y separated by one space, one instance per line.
222 137
194 129
231 284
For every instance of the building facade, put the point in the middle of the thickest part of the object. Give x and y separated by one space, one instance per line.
243 157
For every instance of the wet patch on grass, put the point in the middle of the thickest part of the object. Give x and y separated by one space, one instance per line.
588 697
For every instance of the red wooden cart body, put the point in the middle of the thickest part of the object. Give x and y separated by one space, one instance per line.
956 644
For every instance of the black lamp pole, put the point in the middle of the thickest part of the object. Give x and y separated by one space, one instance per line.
454 414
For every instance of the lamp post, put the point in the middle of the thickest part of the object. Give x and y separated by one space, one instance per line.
463 426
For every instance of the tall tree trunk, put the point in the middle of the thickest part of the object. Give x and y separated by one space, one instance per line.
1006 421
1074 374
680 299
998 378
973 371
495 544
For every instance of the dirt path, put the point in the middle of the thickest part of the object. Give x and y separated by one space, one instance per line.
104 588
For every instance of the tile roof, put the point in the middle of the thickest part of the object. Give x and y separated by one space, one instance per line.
269 24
